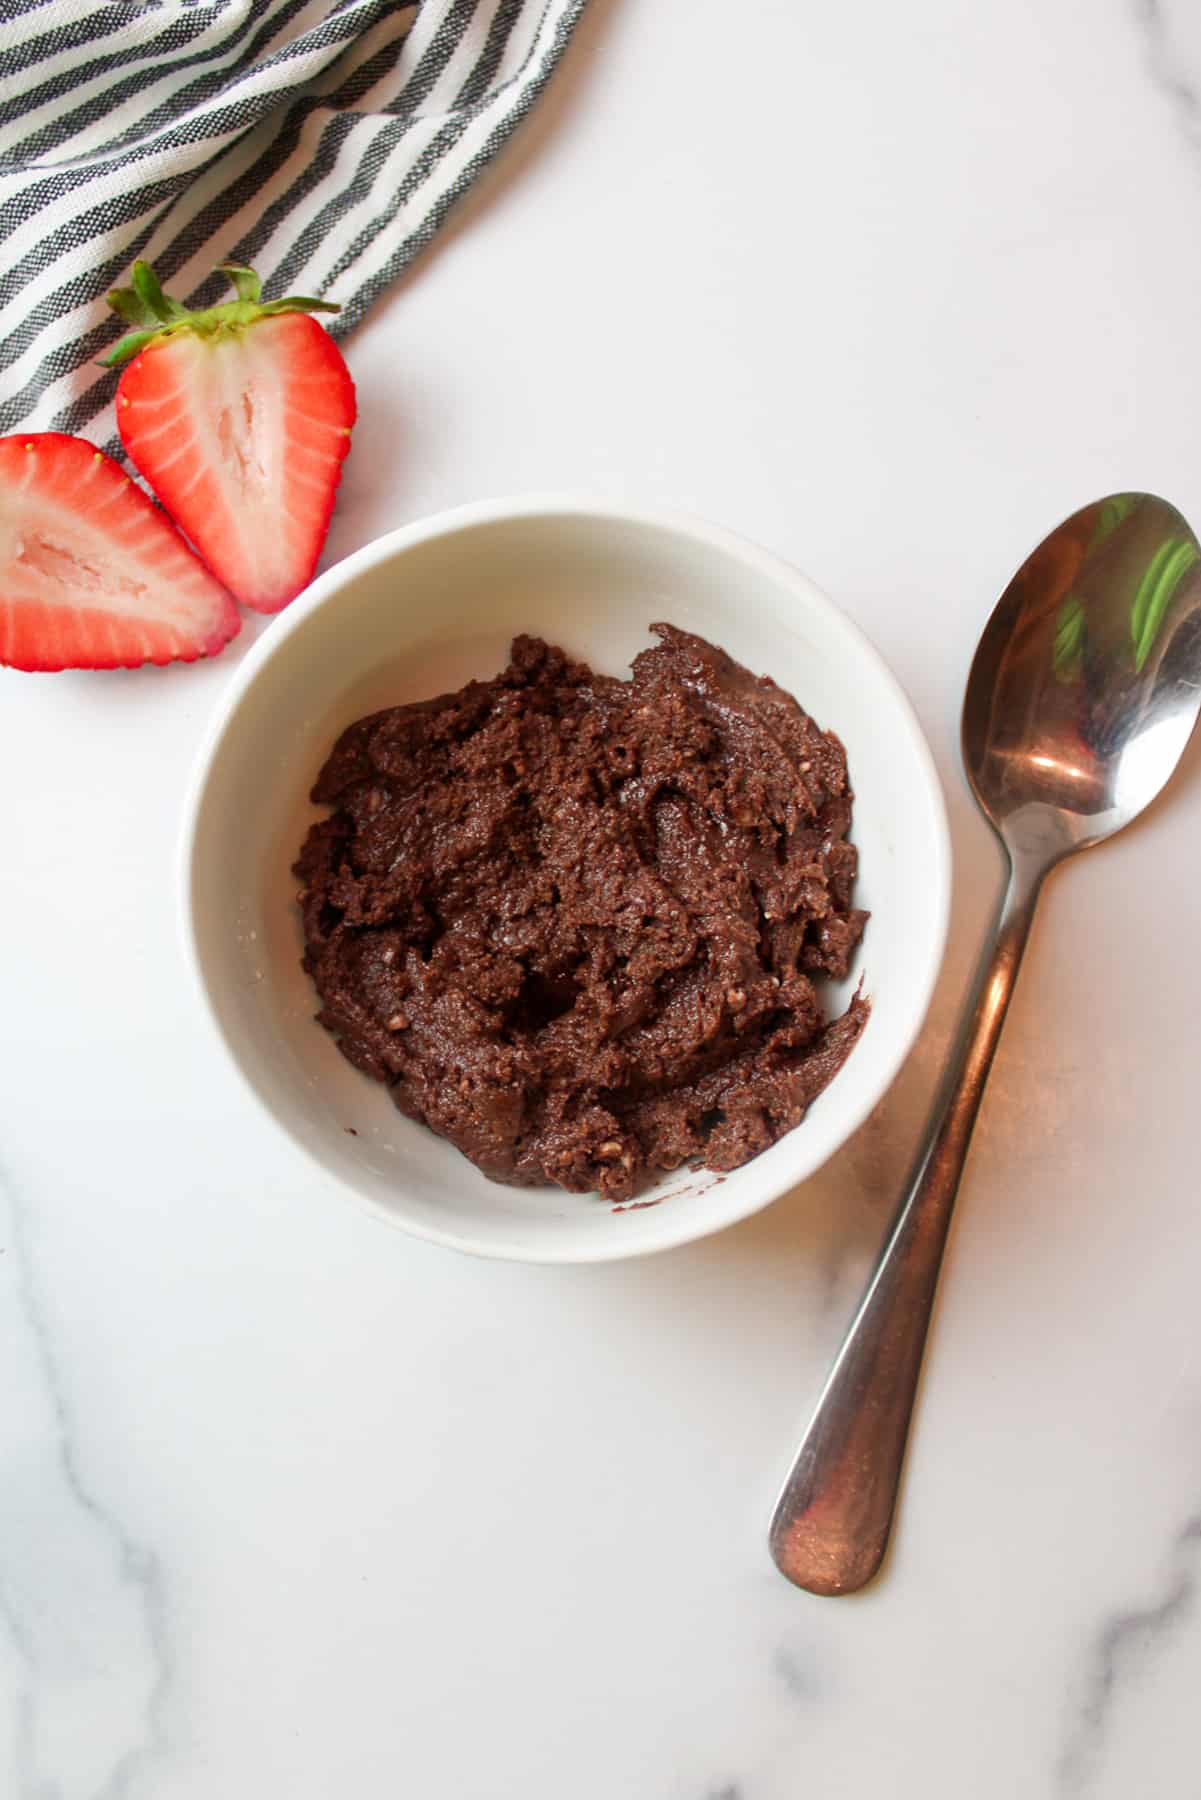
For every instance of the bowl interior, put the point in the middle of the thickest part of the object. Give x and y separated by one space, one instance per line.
421 613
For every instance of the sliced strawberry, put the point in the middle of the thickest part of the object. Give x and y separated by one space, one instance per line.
92 574
239 417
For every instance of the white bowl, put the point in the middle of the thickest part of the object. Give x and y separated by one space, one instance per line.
418 613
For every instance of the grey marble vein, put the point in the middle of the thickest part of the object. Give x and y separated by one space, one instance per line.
791 1673
1124 1642
11 1623
81 1600
1169 56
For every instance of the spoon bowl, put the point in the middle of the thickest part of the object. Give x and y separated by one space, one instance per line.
1085 685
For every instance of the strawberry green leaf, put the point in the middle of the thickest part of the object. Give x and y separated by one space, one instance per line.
128 306
299 303
148 288
247 283
128 346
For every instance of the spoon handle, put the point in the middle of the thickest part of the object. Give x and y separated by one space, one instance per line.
832 1520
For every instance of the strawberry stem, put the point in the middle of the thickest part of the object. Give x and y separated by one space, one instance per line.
156 315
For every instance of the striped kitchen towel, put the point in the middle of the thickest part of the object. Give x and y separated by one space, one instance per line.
321 141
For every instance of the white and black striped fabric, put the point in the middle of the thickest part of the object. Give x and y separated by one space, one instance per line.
320 141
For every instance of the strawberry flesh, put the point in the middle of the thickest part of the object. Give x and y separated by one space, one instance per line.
242 436
92 574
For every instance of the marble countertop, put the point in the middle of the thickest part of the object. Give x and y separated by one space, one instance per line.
291 1505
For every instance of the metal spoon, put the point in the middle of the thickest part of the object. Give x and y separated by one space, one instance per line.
1083 692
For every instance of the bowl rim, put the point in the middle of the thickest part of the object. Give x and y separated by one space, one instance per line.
675 1227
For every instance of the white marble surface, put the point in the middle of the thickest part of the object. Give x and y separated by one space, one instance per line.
292 1506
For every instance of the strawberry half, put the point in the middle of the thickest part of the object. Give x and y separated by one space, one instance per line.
92 574
239 417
